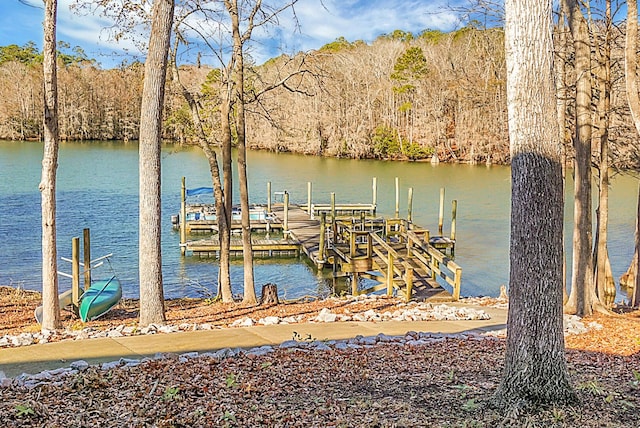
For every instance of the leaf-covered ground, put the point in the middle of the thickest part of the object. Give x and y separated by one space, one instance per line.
444 384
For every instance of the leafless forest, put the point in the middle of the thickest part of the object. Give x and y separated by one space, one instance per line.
399 97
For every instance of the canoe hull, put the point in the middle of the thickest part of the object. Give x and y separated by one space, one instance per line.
100 298
64 299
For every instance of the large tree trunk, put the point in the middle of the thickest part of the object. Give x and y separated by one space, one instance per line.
633 98
249 285
535 367
150 257
225 205
224 277
605 285
582 297
50 304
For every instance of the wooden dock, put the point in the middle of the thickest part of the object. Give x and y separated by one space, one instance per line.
349 239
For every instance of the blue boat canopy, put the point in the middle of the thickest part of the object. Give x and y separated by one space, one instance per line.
200 191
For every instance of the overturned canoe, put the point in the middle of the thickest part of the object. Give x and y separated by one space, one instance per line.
65 300
103 295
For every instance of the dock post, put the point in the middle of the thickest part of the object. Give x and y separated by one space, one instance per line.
441 214
268 196
408 279
374 200
309 199
75 272
410 205
286 213
397 199
86 247
390 274
454 210
333 218
323 231
183 218
354 284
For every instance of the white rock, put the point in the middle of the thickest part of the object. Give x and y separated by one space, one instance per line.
129 329
114 333
269 321
247 322
79 365
110 365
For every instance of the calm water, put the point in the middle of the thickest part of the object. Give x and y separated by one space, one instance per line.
98 188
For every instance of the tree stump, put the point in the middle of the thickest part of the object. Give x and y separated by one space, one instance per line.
269 294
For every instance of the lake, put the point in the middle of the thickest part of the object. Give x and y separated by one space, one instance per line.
97 188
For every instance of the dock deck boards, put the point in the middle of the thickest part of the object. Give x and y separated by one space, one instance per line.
303 236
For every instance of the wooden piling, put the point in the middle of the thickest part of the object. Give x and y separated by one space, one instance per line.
309 197
410 205
75 272
334 228
397 198
183 217
408 279
323 231
374 200
286 214
268 196
86 247
441 213
454 213
390 274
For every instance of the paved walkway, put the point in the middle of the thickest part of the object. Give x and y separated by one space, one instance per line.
37 358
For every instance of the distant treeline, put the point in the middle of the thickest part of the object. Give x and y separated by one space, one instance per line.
402 96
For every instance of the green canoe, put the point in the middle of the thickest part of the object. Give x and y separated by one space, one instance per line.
103 295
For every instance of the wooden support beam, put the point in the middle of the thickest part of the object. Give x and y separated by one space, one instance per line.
183 217
75 272
86 247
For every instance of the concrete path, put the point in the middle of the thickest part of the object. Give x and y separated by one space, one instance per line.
37 358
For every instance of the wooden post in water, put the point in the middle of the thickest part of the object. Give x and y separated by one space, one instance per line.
397 198
333 218
441 213
86 247
75 271
374 200
268 196
454 213
286 213
183 218
390 274
309 198
410 204
323 231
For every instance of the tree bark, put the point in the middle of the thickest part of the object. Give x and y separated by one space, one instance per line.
224 277
582 297
225 232
633 98
249 285
269 294
535 367
50 303
150 256
604 283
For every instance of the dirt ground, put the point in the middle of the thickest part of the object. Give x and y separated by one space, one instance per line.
444 384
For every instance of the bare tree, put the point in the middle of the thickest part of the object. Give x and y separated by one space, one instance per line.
633 98
535 369
582 297
150 258
50 303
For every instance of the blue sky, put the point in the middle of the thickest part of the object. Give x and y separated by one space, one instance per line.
321 22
